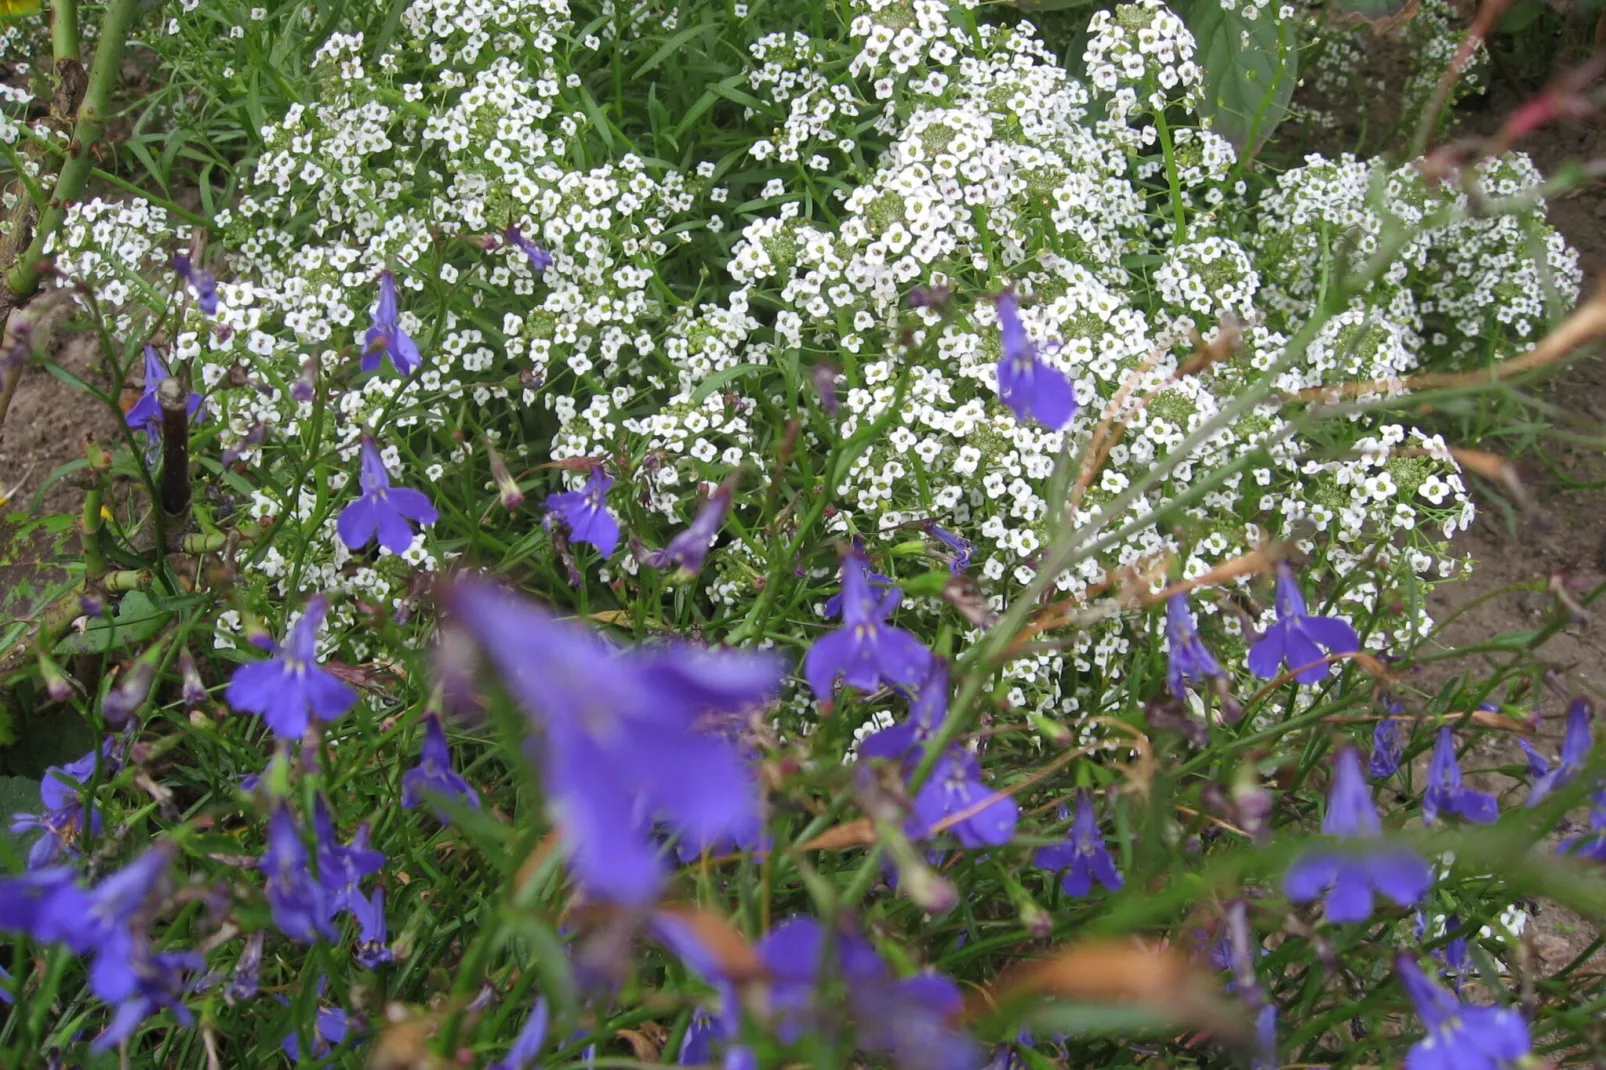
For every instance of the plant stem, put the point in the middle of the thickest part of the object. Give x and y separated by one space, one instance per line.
64 29
22 279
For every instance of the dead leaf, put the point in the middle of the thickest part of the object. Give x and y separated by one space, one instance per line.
715 934
857 833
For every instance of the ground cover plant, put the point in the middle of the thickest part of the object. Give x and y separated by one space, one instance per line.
853 534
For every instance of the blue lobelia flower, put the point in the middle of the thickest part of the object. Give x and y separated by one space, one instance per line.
372 933
1445 793
1460 1037
302 907
962 548
585 512
1388 745
1083 857
160 984
342 867
146 413
1033 389
433 773
386 337
1346 875
1265 1057
955 788
929 708
909 1018
540 259
624 740
1297 637
527 1045
289 689
63 819
201 282
26 900
1575 746
330 1030
865 651
1591 845
689 549
1189 660
382 509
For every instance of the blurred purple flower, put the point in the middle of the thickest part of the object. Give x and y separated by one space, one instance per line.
63 819
865 651
962 548
689 549
1456 953
372 933
381 508
823 376
1593 844
878 581
300 905
200 281
1083 857
585 512
247 979
540 259
1459 1036
1033 389
1265 1057
928 709
1346 876
1190 661
146 413
1444 791
1297 637
433 773
624 741
330 1029
159 985
342 868
955 787
1575 747
386 336
1388 746
527 1045
25 901
289 688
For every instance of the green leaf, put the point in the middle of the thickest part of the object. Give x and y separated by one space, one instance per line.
671 46
18 795
721 377
1250 67
1095 1019
137 619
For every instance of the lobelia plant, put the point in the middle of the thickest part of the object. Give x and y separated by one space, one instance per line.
993 482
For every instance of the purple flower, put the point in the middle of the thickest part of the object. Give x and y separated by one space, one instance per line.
1190 661
1456 955
928 710
585 513
1265 1057
1592 845
962 548
382 509
200 281
1388 746
1575 746
1297 637
146 413
1459 1036
289 688
433 773
865 651
625 740
955 787
372 951
527 1045
247 979
1445 791
330 1030
1083 858
1033 389
159 984
63 817
301 905
386 336
1346 876
689 549
823 376
26 900
342 867
907 1018
540 259
879 581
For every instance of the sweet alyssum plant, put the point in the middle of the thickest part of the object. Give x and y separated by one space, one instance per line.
731 534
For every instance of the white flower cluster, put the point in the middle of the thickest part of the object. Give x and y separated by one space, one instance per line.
999 170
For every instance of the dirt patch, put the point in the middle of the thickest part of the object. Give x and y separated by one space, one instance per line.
47 426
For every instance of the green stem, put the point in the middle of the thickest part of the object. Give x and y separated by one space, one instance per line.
23 277
1173 180
64 29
